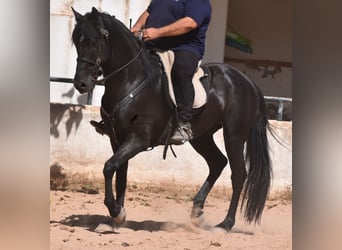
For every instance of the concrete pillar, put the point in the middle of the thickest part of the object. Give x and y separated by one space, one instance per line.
216 35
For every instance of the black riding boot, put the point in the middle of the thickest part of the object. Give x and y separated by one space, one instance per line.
183 132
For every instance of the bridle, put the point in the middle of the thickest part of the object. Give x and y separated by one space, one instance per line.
98 69
97 64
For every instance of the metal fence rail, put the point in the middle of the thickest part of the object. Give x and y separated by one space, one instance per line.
280 100
70 80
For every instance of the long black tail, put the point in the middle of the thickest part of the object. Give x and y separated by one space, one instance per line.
260 170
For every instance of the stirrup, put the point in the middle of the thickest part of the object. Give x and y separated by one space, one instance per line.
182 134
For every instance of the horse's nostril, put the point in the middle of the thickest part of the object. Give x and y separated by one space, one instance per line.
83 85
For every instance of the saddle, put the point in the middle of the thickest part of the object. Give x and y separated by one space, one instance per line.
167 58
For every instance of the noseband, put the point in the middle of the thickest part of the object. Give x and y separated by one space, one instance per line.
97 64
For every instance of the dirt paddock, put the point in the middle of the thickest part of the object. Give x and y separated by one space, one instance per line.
158 217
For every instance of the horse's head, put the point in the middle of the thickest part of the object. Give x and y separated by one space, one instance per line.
91 39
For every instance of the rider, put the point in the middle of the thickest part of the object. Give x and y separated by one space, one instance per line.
180 26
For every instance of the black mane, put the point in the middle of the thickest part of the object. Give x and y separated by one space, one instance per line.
90 27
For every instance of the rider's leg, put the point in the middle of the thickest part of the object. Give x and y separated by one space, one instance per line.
183 70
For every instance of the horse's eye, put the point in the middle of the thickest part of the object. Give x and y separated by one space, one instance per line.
81 39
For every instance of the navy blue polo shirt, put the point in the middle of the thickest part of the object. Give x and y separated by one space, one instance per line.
165 12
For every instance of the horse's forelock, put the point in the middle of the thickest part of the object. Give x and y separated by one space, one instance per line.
88 27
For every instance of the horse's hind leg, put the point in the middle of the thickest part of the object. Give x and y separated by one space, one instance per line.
216 161
235 148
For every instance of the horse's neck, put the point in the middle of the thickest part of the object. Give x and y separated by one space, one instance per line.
123 49
117 87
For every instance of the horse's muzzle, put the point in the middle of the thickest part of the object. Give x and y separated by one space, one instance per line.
83 87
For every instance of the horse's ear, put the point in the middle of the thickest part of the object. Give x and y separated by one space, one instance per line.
94 11
77 15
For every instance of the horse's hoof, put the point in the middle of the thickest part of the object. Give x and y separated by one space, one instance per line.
104 228
121 218
197 217
225 226
197 221
99 127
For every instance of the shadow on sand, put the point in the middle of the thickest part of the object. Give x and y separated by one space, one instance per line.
91 222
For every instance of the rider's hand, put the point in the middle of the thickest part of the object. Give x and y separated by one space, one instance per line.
151 34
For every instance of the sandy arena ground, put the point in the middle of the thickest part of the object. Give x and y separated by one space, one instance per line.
158 217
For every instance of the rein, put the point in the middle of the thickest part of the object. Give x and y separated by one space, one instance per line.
98 67
102 81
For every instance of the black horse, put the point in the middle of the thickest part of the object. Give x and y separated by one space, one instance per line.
136 115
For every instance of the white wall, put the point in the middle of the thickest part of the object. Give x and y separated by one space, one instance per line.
76 146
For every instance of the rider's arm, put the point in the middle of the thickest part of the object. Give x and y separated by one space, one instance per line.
177 28
140 23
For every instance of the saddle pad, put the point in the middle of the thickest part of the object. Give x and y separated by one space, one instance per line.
167 58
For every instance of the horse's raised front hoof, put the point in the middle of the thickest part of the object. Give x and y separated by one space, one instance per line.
99 127
121 218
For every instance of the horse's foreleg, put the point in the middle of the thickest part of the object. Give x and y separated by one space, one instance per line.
121 183
115 207
119 162
120 186
109 201
216 161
